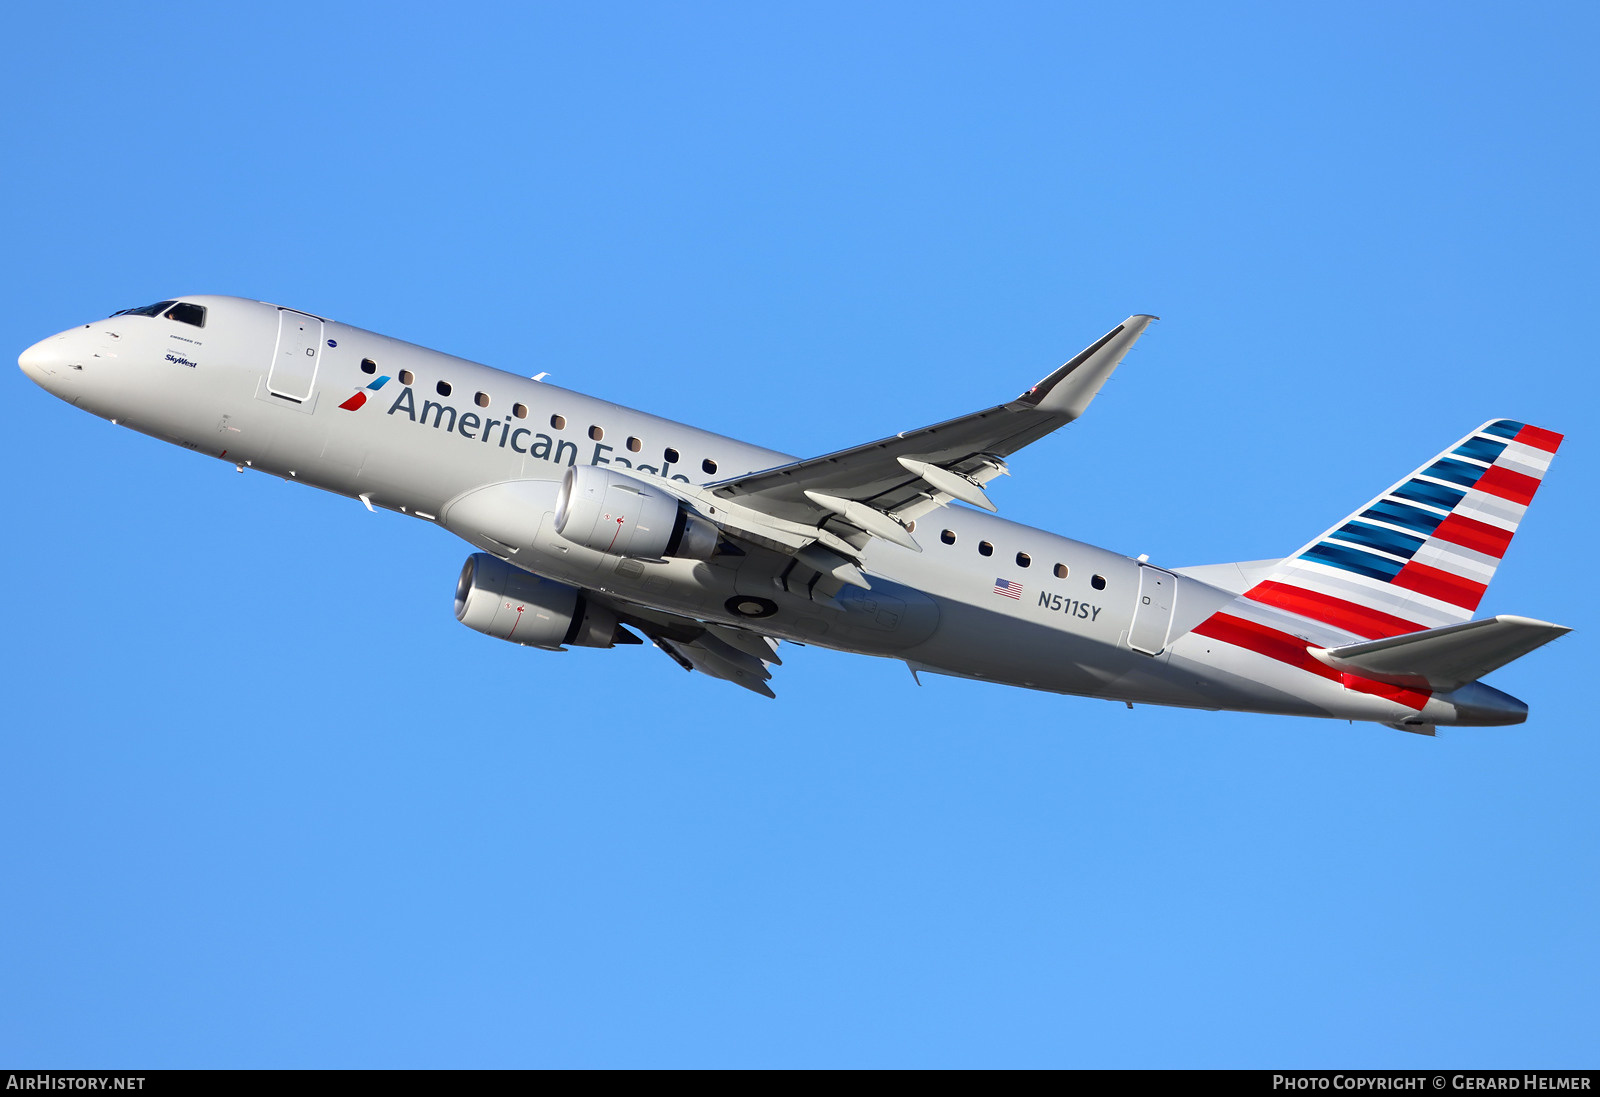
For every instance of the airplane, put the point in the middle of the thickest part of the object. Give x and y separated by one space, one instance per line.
598 525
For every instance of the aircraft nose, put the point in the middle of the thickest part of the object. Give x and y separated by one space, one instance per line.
48 359
54 364
43 358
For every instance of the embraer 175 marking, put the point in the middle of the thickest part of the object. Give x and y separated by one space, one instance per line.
596 522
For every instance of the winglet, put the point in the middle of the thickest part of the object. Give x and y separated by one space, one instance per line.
1069 389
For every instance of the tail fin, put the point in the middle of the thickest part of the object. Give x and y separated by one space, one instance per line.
1421 554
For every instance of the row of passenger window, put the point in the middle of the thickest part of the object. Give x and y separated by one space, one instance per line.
671 456
557 422
986 548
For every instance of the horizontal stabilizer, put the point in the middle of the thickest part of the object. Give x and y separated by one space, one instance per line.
1443 658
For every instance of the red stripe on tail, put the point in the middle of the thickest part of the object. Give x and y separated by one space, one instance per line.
1478 536
1507 484
1443 585
1547 440
1364 621
1294 652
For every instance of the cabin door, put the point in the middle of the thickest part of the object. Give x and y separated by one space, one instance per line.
1152 614
294 361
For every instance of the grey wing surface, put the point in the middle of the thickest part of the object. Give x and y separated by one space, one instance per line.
912 473
736 655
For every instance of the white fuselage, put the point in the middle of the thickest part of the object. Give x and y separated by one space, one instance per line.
1075 627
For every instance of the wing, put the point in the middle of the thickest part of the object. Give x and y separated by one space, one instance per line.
736 655
892 475
824 511
909 472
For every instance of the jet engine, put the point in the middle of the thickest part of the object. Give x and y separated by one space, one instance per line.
603 510
510 604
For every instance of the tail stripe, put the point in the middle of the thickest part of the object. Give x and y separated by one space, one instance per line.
1462 561
1422 554
1381 538
1291 650
1403 514
1509 485
1547 440
1479 448
1354 560
1454 472
1470 533
1436 583
1432 495
1364 621
1525 459
1486 507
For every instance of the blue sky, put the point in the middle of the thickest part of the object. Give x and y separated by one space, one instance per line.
267 804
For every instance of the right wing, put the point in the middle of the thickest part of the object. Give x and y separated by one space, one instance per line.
915 472
824 511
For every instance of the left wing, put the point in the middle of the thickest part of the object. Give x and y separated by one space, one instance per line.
736 655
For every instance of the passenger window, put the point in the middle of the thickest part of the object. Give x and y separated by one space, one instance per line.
985 548
482 399
1061 571
185 313
634 445
558 422
671 455
948 536
1024 560
368 366
1098 582
597 434
442 388
407 377
709 465
519 410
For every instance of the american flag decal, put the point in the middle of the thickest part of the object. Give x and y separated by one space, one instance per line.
1007 589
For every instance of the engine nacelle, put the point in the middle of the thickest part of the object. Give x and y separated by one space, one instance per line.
608 512
509 604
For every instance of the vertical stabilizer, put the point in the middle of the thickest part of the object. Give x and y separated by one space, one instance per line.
1421 554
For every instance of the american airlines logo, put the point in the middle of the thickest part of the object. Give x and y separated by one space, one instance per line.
360 397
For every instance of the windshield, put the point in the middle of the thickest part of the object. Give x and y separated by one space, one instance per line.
149 310
185 313
181 311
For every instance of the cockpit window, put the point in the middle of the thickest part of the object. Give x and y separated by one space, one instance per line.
185 313
149 310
